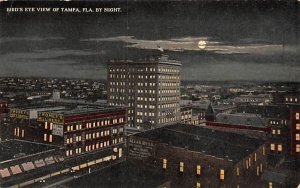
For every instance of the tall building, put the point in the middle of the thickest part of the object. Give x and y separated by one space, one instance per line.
150 88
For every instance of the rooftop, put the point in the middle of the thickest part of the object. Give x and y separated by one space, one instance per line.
12 149
223 145
164 59
246 119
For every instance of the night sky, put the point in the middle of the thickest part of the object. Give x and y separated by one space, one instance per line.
215 41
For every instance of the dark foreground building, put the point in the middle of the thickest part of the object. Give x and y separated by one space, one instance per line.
190 156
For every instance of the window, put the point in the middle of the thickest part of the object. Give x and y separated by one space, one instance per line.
264 150
297 148
261 167
255 157
50 138
222 174
45 137
165 163
279 147
181 166
270 185
237 171
297 136
272 147
198 185
257 170
278 131
297 116
198 169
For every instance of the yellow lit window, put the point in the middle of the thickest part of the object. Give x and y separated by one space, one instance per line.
297 148
237 171
249 161
198 185
272 147
279 147
257 170
297 136
222 174
50 138
165 163
247 165
255 157
297 116
278 131
181 166
198 169
298 126
261 167
270 185
45 137
273 131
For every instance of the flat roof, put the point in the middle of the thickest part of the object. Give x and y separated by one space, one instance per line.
85 109
164 59
224 145
12 149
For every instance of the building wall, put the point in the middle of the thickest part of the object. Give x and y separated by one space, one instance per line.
295 132
187 168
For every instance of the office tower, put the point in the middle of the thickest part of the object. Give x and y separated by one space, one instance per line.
150 88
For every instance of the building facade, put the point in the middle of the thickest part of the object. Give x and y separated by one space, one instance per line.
80 128
149 88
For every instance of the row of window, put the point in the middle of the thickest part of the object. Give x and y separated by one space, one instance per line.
48 138
146 84
166 120
169 77
198 169
168 91
170 105
95 124
19 132
167 84
274 131
279 147
171 98
150 106
145 114
291 99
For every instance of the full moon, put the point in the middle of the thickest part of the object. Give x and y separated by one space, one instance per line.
201 44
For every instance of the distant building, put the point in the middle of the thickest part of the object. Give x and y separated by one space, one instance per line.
260 99
191 156
4 130
295 131
149 88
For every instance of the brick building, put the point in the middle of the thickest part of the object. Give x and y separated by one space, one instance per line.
191 156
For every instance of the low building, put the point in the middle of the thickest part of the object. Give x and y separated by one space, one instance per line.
78 128
192 156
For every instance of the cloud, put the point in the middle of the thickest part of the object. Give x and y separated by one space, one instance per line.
14 39
47 54
244 46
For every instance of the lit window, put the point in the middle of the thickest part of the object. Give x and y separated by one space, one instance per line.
278 131
298 126
297 136
45 137
198 185
237 171
181 166
257 170
50 138
279 147
273 131
270 185
222 174
264 150
297 116
164 163
272 147
255 157
297 148
198 169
